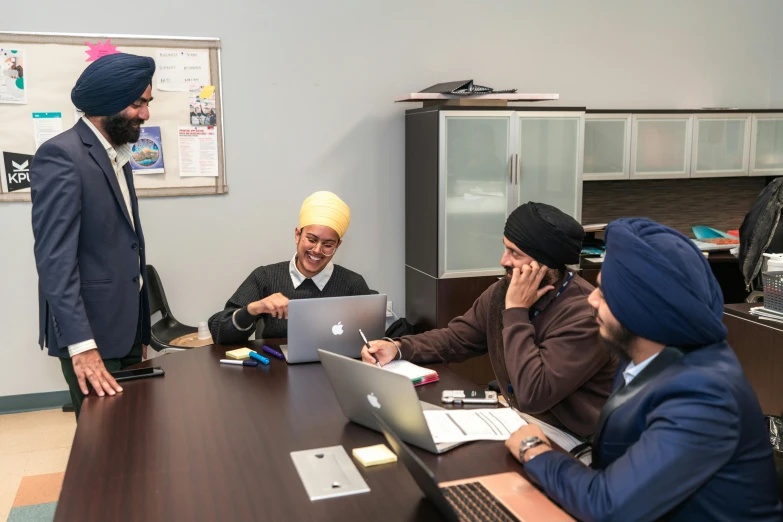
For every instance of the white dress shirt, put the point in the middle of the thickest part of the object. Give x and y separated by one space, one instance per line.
632 370
119 157
320 279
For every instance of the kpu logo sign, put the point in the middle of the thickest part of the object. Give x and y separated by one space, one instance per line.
17 170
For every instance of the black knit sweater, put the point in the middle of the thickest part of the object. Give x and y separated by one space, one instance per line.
272 279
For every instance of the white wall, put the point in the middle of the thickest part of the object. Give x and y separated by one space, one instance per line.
308 90
776 69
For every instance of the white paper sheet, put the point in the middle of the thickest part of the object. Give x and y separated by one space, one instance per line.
178 70
449 426
198 151
47 125
559 437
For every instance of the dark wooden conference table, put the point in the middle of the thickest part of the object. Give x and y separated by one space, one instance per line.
758 344
211 442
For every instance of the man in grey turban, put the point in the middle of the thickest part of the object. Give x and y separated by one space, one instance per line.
89 246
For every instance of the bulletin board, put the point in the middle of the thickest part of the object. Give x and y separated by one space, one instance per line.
45 69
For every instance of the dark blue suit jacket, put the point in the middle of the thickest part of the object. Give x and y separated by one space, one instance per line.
86 249
690 445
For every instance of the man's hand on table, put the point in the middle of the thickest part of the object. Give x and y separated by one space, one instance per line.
88 366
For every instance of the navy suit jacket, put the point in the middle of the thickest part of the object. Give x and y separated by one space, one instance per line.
691 444
86 249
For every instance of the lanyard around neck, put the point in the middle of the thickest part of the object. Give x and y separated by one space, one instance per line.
565 284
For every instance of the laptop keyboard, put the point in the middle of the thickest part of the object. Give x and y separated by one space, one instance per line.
473 502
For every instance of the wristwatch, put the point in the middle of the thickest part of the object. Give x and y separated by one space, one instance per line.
527 444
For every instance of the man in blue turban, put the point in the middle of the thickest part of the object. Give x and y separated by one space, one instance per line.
682 436
89 246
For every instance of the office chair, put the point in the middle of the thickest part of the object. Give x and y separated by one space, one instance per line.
168 328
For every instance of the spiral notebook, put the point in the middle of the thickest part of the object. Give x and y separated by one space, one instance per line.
417 374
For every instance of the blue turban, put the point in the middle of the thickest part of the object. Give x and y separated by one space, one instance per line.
659 285
111 83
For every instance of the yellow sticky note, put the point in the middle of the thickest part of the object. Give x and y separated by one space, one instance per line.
374 455
239 354
207 91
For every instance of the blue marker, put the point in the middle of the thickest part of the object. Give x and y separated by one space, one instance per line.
272 352
259 358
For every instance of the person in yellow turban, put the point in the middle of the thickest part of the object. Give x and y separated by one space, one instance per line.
323 222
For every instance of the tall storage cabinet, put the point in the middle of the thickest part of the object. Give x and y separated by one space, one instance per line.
466 169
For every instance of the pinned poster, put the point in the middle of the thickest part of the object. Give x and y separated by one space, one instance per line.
198 151
47 125
17 172
203 110
178 70
147 153
100 50
12 76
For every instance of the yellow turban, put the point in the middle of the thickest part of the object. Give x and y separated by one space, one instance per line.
325 208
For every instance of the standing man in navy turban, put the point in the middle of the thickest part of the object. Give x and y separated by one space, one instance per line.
89 247
682 436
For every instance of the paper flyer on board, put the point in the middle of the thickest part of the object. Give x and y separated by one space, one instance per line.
147 153
198 151
203 111
46 125
178 70
12 76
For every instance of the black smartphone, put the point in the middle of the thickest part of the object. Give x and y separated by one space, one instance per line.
141 373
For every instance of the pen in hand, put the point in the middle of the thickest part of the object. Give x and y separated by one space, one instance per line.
368 348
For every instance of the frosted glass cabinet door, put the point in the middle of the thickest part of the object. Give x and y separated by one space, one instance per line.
766 149
474 176
549 166
661 146
721 145
607 146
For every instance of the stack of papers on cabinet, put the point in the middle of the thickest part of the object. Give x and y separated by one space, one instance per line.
766 313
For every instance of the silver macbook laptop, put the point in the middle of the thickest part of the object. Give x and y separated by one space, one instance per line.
333 323
362 389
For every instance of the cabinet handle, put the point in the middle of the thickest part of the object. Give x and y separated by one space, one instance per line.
519 169
510 168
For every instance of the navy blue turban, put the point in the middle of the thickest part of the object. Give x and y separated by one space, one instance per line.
545 233
111 83
659 285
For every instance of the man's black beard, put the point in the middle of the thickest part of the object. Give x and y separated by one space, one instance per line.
620 341
122 130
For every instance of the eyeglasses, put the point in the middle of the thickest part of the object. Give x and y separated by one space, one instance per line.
328 249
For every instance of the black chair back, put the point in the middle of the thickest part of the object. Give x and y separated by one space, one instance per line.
157 295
